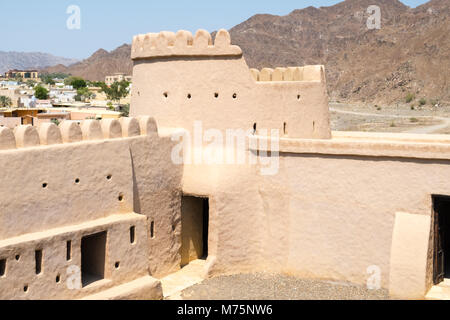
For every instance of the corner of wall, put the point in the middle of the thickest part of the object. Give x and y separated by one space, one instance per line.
409 256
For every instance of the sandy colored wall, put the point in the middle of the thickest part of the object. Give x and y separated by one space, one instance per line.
58 167
157 195
10 122
60 277
341 210
101 176
203 82
325 216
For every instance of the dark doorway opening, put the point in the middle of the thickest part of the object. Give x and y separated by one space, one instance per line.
93 251
441 265
194 229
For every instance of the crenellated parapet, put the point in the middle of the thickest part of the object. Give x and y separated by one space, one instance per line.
306 73
46 134
183 44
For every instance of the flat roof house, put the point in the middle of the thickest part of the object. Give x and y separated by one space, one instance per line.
25 74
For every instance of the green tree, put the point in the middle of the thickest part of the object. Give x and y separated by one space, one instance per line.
125 110
40 93
117 91
75 82
98 84
47 79
84 93
5 102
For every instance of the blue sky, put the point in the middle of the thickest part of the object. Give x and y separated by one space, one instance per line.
41 25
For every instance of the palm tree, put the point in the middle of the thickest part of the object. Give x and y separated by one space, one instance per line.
5 102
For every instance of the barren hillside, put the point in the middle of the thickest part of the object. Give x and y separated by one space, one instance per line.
409 54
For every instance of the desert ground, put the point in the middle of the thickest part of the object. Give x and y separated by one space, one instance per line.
262 286
390 118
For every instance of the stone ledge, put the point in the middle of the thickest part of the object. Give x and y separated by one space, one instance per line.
87 227
145 288
392 145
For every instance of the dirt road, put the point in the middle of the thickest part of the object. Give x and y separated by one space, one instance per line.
347 117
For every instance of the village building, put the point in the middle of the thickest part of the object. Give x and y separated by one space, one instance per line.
117 77
24 74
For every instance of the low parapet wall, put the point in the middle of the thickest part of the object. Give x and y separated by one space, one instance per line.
306 73
70 132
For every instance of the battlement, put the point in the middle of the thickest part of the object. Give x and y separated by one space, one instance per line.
183 44
69 132
306 73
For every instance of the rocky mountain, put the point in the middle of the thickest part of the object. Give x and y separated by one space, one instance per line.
100 64
409 54
30 60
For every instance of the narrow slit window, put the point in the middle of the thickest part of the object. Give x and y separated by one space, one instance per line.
38 257
132 234
2 267
152 229
69 251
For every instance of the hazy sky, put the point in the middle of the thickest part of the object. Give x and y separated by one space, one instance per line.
29 25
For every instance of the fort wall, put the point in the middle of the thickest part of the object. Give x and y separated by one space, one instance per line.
330 211
179 83
61 184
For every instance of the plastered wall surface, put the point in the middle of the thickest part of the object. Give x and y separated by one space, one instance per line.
52 197
157 195
58 278
344 225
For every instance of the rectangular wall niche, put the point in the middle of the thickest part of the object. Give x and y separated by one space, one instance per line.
194 229
93 252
